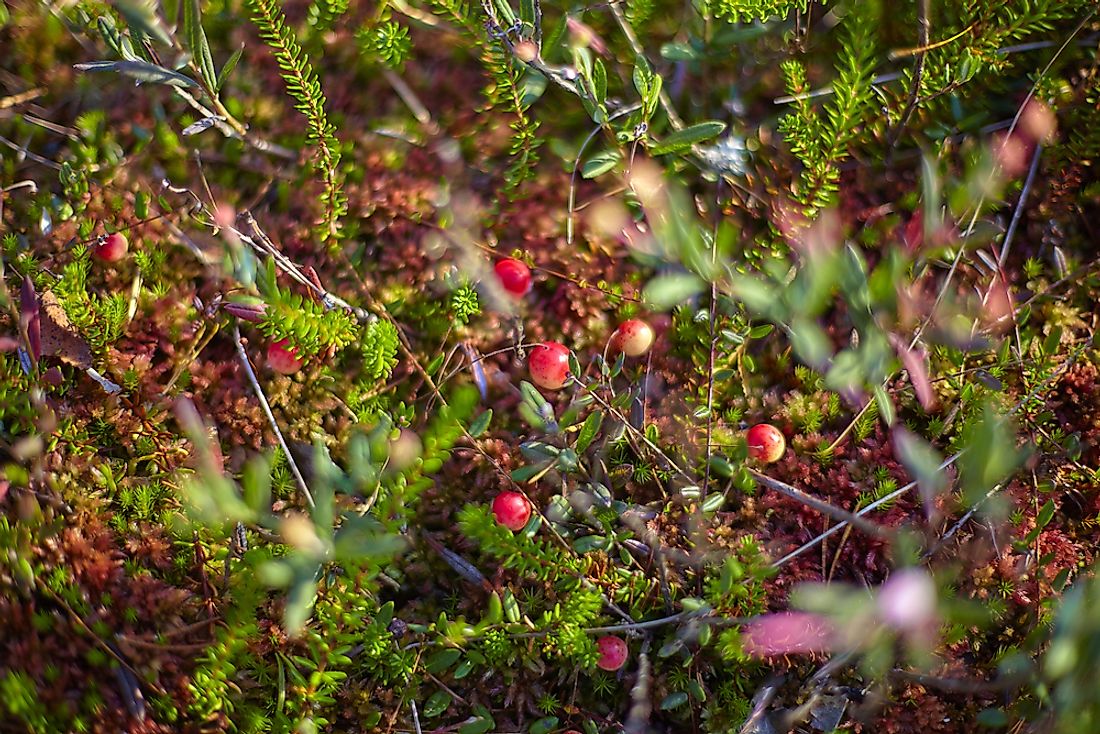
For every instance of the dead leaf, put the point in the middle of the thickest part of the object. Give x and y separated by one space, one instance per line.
59 338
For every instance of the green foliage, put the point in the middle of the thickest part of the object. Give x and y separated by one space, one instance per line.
21 702
323 14
465 304
819 139
379 345
745 11
388 42
311 327
99 318
505 90
304 87
17 412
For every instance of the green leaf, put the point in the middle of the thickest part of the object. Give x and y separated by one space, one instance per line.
990 454
682 140
674 700
299 600
141 15
599 82
810 343
511 606
436 704
601 163
197 43
588 432
481 423
443 659
544 725
666 291
481 724
230 65
885 405
648 85
922 461
529 13
590 543
143 71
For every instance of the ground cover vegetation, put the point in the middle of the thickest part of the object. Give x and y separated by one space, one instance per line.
443 366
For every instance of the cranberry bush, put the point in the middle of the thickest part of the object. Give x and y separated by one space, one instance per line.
796 432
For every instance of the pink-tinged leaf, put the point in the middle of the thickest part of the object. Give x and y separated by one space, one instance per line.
915 362
253 312
8 344
912 234
997 307
787 633
30 320
583 35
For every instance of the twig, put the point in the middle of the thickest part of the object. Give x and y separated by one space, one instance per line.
1016 215
243 356
636 46
923 25
948 462
856 520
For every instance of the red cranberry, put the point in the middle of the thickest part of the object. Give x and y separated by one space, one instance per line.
111 248
514 276
613 652
766 443
633 338
283 358
548 364
512 510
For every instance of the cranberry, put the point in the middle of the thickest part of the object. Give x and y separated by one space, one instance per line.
613 652
633 338
111 248
766 443
514 276
283 358
548 364
512 510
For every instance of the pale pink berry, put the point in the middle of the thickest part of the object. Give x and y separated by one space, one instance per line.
283 357
766 443
633 338
613 652
907 601
512 510
548 364
111 248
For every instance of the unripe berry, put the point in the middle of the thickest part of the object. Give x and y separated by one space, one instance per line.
283 358
548 364
514 276
405 449
111 248
512 510
613 652
633 338
766 443
526 51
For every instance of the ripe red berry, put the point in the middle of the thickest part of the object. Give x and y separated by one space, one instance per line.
613 652
283 358
512 510
514 276
766 443
633 338
111 248
548 364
